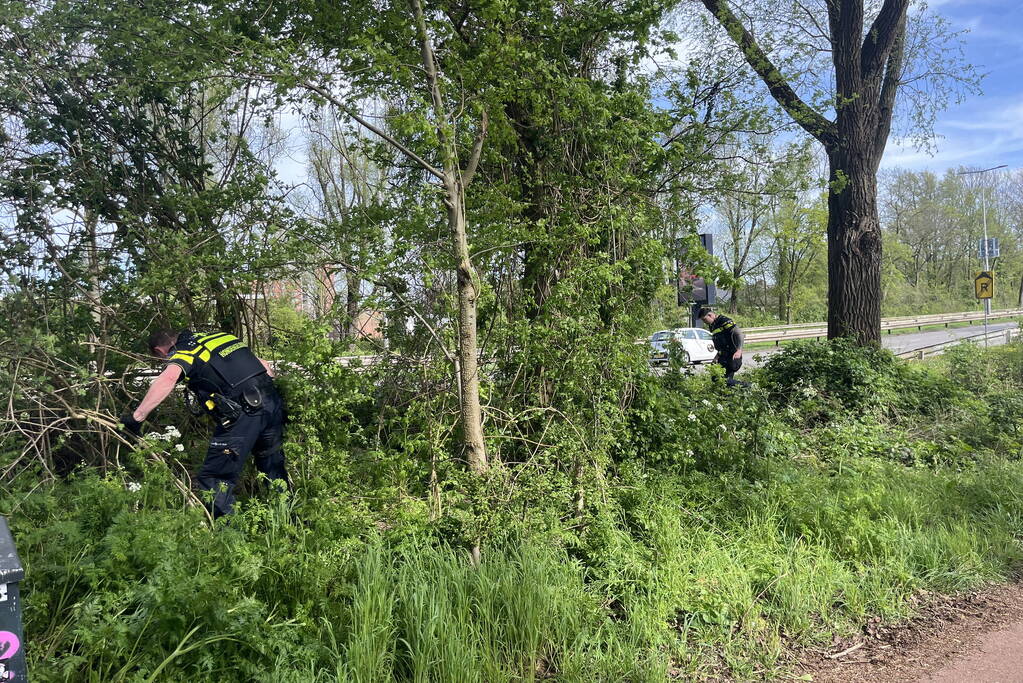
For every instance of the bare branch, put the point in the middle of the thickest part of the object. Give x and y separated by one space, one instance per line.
325 94
808 118
886 103
886 31
477 150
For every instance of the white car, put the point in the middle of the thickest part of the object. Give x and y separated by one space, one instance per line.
695 344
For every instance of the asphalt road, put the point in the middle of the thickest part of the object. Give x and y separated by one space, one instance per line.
915 340
899 343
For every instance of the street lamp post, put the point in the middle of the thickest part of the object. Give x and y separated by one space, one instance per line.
985 250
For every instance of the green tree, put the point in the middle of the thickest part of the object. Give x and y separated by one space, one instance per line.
798 229
870 60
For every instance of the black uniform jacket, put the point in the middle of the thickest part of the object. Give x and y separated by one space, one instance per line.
216 363
727 336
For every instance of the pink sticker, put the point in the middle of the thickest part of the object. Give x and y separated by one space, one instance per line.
9 644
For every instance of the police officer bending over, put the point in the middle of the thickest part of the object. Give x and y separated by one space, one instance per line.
232 385
727 341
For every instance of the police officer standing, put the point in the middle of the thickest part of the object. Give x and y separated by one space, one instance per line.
233 386
727 341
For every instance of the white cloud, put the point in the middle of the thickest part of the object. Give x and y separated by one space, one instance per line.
989 132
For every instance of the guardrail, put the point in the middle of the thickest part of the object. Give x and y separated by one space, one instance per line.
775 333
779 333
939 348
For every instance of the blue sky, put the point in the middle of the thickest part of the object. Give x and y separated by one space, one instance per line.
985 130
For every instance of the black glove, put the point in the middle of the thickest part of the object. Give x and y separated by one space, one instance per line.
131 424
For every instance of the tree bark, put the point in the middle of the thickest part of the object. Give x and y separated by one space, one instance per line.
467 279
854 249
782 284
352 284
733 300
468 358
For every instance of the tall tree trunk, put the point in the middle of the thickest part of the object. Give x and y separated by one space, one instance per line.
352 284
733 300
854 247
227 315
468 359
788 299
782 284
538 274
467 278
98 334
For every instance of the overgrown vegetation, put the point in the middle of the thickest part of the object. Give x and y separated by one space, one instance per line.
727 527
514 185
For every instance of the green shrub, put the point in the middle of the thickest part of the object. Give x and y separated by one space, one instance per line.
827 378
725 527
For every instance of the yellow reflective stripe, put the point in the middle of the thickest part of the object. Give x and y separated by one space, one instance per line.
224 353
210 342
212 345
181 355
206 339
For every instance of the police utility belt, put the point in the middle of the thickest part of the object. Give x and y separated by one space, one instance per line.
249 398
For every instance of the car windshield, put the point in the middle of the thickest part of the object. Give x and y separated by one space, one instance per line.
661 336
685 334
703 334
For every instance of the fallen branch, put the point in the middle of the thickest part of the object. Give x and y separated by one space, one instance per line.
846 651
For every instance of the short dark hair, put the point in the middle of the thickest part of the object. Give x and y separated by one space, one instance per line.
162 337
704 310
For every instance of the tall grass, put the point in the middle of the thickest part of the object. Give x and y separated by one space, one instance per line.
676 576
729 530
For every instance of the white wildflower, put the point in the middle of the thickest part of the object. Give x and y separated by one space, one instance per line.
133 486
179 447
172 432
692 417
705 402
720 407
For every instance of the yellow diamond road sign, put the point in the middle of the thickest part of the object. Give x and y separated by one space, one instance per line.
984 284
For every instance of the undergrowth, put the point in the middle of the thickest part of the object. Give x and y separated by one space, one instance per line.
727 527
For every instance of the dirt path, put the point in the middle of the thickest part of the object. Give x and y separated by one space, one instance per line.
974 638
998 656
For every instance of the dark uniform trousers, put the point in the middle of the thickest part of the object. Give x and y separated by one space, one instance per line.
731 366
259 431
